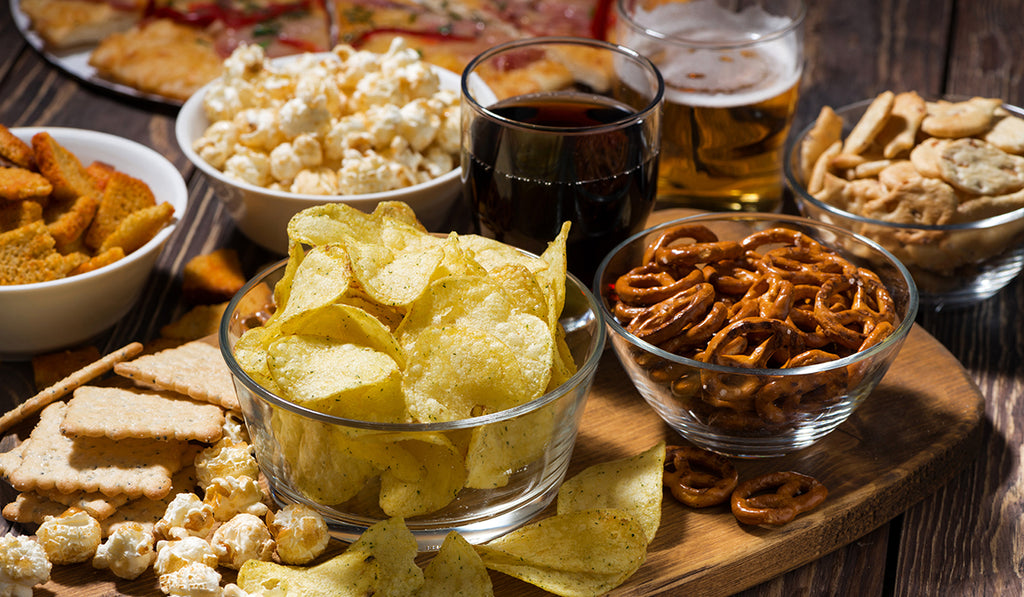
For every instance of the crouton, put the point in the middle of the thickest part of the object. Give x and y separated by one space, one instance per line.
138 228
213 277
69 219
63 169
28 255
122 196
15 214
21 183
14 150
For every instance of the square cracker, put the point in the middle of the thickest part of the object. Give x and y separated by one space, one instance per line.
135 467
34 506
195 369
119 413
146 511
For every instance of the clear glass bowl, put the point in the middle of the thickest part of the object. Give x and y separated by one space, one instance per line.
536 437
958 265
712 405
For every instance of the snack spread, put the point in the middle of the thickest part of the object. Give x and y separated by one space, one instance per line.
342 123
775 299
173 47
59 218
911 161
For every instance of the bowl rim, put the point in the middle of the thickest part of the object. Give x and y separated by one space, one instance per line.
794 183
894 339
157 160
583 372
191 111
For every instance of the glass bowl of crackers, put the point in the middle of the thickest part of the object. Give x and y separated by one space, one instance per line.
275 136
384 371
938 182
83 220
754 335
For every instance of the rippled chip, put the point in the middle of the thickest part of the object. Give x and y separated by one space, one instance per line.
347 324
633 485
588 552
441 477
336 378
380 562
456 570
320 278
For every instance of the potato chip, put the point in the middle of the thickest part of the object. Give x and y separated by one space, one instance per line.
522 289
456 570
337 378
346 324
320 471
582 553
320 278
552 278
381 562
443 476
454 371
633 485
496 450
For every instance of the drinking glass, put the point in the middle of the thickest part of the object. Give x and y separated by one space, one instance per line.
732 73
561 129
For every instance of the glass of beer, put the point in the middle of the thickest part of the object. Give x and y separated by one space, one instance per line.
732 76
561 129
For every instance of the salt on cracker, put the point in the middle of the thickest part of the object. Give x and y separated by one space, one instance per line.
195 369
135 467
140 414
31 508
67 385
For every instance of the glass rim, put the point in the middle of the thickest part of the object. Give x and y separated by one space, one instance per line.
584 372
469 94
897 337
795 23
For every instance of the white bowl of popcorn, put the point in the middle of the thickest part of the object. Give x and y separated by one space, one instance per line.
274 137
937 182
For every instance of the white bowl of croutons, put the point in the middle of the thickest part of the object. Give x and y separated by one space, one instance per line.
80 233
275 136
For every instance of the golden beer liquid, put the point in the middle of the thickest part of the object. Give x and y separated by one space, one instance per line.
725 158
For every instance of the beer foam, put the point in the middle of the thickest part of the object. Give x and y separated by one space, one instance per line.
707 57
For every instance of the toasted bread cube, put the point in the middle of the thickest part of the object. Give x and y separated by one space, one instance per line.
21 183
212 278
69 219
14 150
15 214
138 228
122 196
100 260
100 172
28 255
63 169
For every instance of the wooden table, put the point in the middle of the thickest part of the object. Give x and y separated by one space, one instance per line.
965 538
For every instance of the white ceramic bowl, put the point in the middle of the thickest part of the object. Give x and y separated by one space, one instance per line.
262 214
47 316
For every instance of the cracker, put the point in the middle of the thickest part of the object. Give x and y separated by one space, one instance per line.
134 467
118 413
28 508
195 369
146 511
870 123
976 167
67 385
908 110
827 129
1007 134
98 506
960 119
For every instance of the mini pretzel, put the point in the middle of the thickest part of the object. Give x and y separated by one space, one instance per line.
695 232
671 316
649 284
698 478
791 494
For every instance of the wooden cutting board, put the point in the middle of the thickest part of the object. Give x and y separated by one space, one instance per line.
918 429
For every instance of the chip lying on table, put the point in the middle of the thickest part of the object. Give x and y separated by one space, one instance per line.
378 320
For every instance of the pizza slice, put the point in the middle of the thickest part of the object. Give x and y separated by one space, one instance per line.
66 24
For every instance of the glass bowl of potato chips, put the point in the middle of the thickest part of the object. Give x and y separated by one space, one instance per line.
385 372
938 182
754 335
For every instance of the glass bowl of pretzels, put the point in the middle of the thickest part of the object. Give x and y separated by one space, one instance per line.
754 335
938 182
